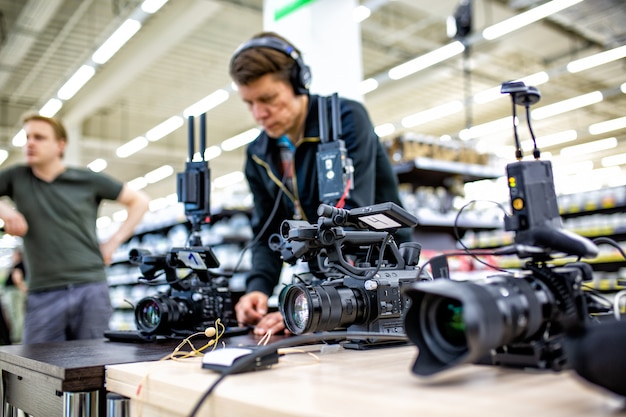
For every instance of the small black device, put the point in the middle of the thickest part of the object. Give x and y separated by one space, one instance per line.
335 172
357 272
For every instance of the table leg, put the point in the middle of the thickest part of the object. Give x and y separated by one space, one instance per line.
117 405
80 404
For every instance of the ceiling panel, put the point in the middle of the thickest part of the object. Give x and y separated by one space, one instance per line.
181 54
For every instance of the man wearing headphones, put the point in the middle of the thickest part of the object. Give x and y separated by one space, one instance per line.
281 165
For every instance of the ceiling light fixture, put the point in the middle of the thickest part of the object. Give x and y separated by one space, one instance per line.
589 147
360 13
131 147
76 82
4 154
165 128
427 60
552 140
486 129
385 129
607 126
118 39
152 6
240 139
97 165
567 105
228 179
526 18
609 161
159 174
431 114
209 102
367 86
51 107
19 139
597 59
138 183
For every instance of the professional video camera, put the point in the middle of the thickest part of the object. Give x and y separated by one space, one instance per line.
356 273
196 297
519 319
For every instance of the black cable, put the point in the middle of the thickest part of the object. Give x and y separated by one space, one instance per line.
610 242
271 348
458 236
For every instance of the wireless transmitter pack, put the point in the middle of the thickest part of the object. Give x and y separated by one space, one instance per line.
334 168
535 212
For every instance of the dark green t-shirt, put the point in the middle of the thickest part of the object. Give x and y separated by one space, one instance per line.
61 246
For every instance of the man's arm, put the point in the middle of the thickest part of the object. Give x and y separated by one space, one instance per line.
136 203
14 222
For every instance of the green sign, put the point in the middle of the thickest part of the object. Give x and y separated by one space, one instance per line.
289 8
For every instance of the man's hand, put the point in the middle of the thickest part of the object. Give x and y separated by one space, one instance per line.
252 310
273 323
14 223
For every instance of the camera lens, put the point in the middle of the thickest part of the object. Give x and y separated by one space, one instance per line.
449 322
308 309
160 314
301 312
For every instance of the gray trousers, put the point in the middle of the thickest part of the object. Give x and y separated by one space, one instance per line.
77 312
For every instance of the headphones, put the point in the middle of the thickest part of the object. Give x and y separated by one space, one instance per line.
301 74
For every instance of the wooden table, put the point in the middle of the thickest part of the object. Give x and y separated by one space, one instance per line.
357 383
66 378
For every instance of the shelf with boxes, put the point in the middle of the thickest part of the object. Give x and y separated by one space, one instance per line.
226 235
432 174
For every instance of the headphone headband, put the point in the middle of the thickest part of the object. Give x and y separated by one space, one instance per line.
301 76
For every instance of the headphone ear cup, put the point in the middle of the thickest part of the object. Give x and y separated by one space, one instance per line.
300 78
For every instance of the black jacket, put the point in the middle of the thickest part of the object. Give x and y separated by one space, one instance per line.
374 182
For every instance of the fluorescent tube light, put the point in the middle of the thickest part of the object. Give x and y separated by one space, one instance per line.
126 31
427 60
431 114
486 129
367 86
19 139
138 183
603 127
158 204
131 147
209 102
165 128
228 179
589 147
385 129
360 13
552 140
609 161
51 107
597 59
240 139
566 105
152 6
76 82
211 152
526 18
4 154
159 174
97 165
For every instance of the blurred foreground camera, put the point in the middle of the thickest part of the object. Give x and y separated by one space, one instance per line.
193 300
516 321
357 270
519 319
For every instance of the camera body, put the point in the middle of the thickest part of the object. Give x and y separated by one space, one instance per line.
192 302
357 272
